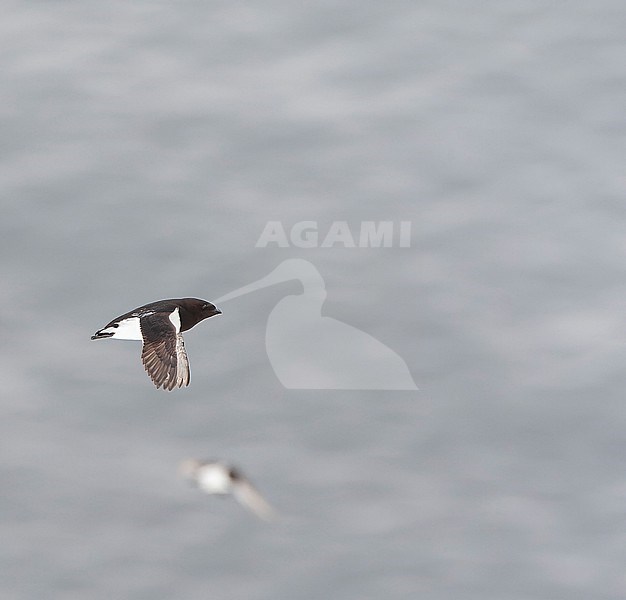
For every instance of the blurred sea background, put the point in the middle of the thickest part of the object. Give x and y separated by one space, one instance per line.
144 148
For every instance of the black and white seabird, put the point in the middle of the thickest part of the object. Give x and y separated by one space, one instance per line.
216 477
160 325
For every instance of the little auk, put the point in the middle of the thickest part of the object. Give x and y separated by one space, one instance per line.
160 325
216 477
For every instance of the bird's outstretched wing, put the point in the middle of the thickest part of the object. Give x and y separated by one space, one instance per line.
163 354
247 495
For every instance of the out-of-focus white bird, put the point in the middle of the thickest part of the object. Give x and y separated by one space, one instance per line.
217 477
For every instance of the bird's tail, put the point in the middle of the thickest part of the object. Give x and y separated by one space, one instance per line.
101 334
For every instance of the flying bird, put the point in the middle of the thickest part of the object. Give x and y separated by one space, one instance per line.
216 477
160 325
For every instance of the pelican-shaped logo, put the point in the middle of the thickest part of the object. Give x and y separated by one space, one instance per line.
308 351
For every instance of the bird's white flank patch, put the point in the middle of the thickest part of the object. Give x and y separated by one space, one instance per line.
175 319
214 479
128 329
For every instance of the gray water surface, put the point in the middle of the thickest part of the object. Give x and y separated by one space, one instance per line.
144 148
